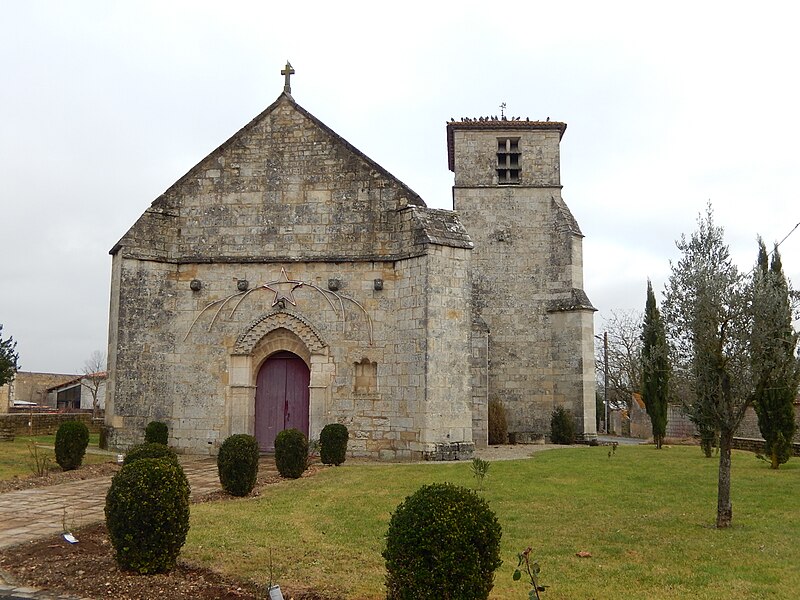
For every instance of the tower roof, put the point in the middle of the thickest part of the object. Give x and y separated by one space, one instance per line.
495 124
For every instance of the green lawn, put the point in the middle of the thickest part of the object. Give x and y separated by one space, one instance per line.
646 516
15 457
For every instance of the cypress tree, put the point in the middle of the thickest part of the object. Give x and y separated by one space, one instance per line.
775 364
655 368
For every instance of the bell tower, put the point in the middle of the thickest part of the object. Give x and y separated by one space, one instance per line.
530 311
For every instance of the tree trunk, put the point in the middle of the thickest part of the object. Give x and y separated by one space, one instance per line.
724 507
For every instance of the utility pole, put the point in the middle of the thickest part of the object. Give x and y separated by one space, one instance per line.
605 379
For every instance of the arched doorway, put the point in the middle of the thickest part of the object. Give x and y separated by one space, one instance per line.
281 397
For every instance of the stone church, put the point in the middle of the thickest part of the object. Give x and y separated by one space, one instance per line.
288 280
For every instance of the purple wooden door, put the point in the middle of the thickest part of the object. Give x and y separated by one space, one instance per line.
281 397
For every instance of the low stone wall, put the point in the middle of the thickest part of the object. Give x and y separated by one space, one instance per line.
757 445
451 451
679 425
43 423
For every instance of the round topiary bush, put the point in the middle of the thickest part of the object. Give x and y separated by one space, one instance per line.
333 444
147 515
291 453
562 427
72 438
443 542
150 450
156 432
237 464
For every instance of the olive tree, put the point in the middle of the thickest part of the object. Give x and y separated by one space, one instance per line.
708 316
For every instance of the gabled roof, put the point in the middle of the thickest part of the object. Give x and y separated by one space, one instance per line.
181 225
414 198
284 152
77 380
441 227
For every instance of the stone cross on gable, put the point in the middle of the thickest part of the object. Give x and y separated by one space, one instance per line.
287 71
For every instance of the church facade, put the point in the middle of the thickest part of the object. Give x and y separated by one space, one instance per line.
287 280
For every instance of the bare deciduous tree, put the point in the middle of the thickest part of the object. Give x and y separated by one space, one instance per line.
93 376
624 357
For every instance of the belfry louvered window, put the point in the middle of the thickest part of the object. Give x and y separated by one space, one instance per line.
508 155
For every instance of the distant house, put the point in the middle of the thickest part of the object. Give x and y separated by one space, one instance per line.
29 389
640 425
76 394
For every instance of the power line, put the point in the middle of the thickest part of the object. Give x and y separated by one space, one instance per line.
786 237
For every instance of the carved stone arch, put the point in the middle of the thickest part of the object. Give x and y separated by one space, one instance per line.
279 330
279 319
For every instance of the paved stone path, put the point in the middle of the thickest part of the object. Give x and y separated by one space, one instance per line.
28 515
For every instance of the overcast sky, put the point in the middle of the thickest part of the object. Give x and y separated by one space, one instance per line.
106 104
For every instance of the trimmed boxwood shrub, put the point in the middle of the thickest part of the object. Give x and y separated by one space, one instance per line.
443 542
72 438
333 444
150 450
237 464
147 515
498 426
562 427
156 432
291 453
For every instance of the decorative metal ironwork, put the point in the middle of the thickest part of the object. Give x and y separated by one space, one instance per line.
283 289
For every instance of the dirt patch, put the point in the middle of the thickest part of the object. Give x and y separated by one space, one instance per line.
88 569
512 451
55 477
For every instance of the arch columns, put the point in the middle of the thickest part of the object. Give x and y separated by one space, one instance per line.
273 332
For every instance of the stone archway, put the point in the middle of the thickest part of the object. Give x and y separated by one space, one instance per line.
274 332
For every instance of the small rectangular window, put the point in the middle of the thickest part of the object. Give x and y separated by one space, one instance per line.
508 164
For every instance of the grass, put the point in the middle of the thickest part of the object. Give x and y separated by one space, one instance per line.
646 516
16 461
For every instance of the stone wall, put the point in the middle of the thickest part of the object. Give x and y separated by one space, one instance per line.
44 423
679 425
179 369
527 275
757 445
448 411
285 187
373 291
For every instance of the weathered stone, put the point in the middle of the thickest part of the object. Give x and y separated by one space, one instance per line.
405 322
